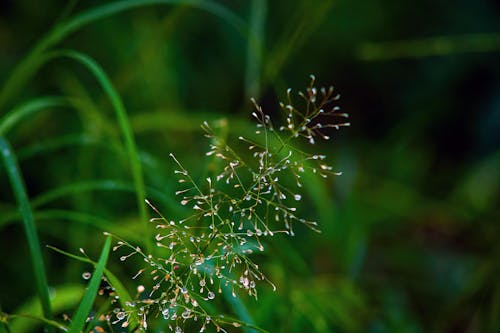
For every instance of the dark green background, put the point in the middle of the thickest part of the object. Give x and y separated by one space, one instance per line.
410 239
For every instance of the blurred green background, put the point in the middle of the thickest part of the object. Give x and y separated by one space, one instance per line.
410 231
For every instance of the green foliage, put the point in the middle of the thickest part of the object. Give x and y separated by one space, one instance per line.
408 238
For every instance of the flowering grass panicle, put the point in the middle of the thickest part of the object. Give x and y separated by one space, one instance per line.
252 197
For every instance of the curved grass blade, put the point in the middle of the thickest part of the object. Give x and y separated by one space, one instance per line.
36 57
19 189
27 109
80 317
121 114
121 291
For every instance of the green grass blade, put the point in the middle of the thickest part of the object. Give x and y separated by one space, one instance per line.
36 57
125 128
255 43
27 109
80 317
17 183
119 288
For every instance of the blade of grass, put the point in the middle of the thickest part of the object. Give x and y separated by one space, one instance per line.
124 123
27 109
255 43
119 288
19 189
80 317
35 58
112 279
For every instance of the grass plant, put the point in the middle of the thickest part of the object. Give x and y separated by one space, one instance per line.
242 205
94 96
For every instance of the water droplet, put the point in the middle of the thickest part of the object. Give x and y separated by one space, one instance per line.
178 329
120 315
86 275
186 314
297 197
211 295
